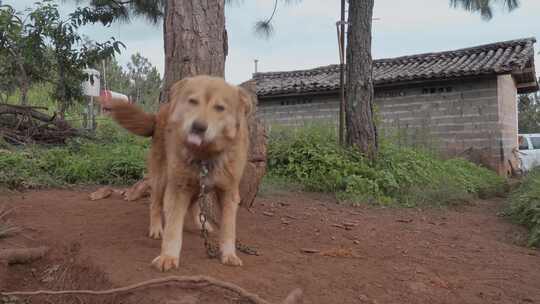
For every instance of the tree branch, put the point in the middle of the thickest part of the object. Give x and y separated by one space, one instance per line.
183 281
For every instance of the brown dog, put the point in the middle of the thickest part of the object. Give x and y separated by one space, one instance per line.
205 119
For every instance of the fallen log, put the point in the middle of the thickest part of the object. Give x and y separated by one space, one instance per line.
21 125
25 110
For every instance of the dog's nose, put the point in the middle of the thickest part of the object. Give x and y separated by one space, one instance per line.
199 127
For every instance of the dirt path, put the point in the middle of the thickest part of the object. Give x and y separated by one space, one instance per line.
388 256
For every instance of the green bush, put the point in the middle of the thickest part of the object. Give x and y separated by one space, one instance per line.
405 176
114 157
524 206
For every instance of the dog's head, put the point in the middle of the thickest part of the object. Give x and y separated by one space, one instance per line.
209 112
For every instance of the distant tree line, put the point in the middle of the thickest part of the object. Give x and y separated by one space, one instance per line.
529 113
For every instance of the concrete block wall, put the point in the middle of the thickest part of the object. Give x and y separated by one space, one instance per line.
454 118
475 118
298 111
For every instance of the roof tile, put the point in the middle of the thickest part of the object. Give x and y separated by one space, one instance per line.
496 58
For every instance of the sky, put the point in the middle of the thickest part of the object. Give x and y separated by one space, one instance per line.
305 32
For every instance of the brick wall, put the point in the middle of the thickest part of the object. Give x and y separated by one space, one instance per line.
474 118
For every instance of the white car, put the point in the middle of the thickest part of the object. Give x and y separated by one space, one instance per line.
529 151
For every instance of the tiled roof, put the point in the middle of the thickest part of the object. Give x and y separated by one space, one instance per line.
509 57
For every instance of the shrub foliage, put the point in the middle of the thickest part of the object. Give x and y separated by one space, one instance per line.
114 157
406 176
524 206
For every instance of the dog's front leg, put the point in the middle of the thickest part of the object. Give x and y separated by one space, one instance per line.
229 201
176 203
156 207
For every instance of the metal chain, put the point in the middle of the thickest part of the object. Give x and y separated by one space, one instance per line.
212 250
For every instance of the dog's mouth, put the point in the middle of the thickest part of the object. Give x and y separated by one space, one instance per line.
195 140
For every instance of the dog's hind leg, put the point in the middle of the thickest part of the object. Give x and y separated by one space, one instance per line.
175 206
229 201
156 207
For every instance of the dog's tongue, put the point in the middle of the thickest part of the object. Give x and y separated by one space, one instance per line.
194 139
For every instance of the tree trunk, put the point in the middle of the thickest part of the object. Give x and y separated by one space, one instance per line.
361 130
196 43
24 86
256 166
23 78
195 39
63 103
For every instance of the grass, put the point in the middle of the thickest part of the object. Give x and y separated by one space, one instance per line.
524 206
113 157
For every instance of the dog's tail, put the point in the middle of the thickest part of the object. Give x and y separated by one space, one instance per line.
132 118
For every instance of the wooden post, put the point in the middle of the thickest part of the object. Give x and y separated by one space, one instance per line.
341 37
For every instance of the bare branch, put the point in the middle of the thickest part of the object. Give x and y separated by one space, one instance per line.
182 281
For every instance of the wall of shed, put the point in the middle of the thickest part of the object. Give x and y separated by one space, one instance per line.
297 111
474 118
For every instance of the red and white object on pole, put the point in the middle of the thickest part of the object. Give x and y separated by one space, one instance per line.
107 96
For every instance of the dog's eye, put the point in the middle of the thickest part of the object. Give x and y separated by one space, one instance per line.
193 101
219 108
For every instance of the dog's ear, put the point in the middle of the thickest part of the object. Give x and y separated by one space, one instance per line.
245 100
176 89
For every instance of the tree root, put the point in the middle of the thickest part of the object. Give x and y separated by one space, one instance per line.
22 256
182 281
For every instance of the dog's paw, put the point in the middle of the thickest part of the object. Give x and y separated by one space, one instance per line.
165 262
231 260
156 232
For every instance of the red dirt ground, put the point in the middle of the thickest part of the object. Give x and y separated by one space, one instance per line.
459 255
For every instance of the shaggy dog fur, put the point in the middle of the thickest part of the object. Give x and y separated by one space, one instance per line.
205 119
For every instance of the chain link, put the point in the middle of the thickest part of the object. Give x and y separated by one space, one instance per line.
212 250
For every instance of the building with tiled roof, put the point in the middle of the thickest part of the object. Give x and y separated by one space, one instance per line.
453 102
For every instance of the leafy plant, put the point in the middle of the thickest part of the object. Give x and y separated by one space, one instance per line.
404 176
524 206
114 157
